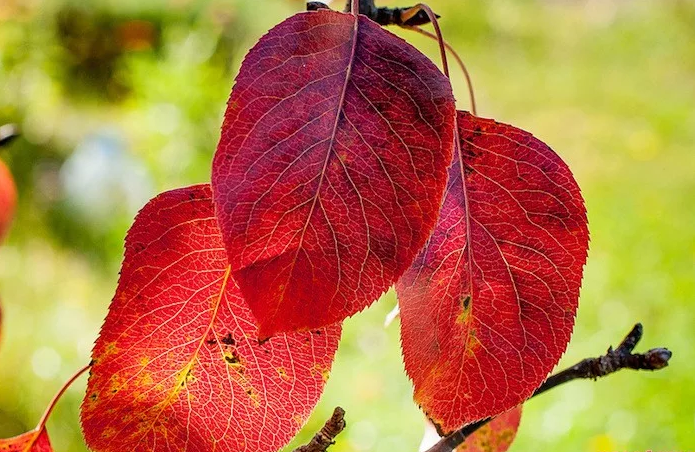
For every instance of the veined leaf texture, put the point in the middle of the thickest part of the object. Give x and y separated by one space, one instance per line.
488 307
331 167
33 441
178 366
333 180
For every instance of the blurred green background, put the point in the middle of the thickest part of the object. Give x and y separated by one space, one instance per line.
121 99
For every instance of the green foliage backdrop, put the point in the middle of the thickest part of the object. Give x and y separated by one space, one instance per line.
118 100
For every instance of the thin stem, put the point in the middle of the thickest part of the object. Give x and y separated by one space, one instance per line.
433 18
462 65
613 361
59 394
355 7
451 442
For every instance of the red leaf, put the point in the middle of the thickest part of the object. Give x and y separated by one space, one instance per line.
177 366
33 441
488 307
8 200
496 436
331 167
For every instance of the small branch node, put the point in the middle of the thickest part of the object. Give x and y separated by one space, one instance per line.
408 16
326 436
630 342
315 6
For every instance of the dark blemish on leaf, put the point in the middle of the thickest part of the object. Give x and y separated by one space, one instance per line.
192 196
228 340
468 150
467 302
478 131
211 341
93 396
232 359
188 378
138 247
263 341
249 392
317 332
465 313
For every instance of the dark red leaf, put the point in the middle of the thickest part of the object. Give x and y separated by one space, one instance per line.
331 167
33 441
177 366
488 307
496 436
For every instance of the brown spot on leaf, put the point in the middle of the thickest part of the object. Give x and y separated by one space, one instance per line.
228 340
233 359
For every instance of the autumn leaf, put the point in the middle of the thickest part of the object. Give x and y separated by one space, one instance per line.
33 441
8 200
177 366
331 167
495 436
488 307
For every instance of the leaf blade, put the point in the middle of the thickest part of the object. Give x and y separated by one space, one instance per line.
177 365
496 436
488 307
331 167
32 441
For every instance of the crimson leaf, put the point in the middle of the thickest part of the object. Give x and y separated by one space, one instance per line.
331 167
488 307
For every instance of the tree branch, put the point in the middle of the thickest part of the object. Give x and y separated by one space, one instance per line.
408 16
326 436
613 361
